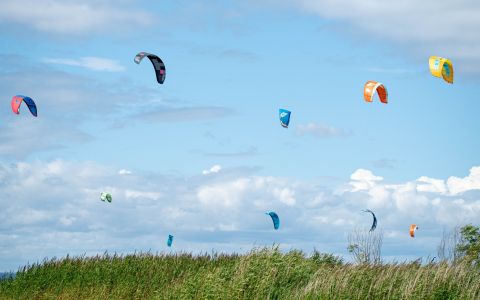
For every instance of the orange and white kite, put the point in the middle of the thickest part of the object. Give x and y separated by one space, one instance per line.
371 87
413 228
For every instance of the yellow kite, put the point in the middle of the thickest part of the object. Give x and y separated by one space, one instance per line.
441 67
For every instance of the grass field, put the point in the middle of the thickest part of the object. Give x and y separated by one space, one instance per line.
261 274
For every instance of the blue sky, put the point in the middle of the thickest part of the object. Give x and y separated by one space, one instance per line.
203 156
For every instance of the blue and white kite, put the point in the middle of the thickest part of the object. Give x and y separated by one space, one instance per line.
284 117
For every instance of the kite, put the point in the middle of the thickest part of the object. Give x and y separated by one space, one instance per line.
17 101
374 224
284 117
441 67
275 219
170 240
157 63
413 228
106 197
371 87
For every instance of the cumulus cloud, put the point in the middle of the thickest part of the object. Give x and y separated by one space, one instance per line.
74 16
226 195
213 169
285 195
416 196
453 185
89 62
363 180
458 185
232 193
54 206
426 184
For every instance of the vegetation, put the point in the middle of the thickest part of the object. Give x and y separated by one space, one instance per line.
260 274
365 246
447 251
469 246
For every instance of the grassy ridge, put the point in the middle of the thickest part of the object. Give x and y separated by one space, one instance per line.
261 274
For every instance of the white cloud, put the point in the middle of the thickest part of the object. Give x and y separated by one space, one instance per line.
67 221
320 130
225 195
285 195
458 185
74 16
426 184
124 172
213 169
89 62
134 194
363 180
453 185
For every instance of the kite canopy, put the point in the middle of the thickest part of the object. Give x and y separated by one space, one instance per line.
374 224
441 67
371 87
170 240
275 219
157 63
413 228
106 197
284 117
17 101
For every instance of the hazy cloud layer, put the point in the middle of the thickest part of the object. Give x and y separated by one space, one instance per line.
89 62
320 130
68 17
66 101
185 114
447 28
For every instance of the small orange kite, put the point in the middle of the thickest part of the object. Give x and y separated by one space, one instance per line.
413 228
371 87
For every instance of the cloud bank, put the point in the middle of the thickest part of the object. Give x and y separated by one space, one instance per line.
57 211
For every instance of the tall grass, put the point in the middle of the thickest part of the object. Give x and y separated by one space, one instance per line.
261 274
